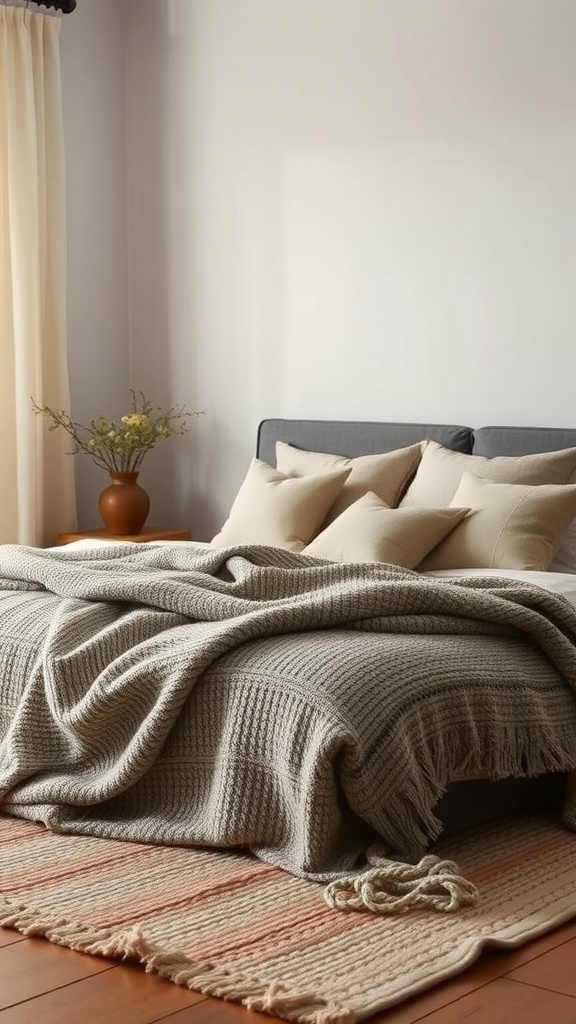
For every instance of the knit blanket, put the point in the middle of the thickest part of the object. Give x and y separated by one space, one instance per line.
251 697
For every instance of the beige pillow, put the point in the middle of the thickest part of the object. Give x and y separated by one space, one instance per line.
371 531
565 558
386 474
279 511
511 526
440 470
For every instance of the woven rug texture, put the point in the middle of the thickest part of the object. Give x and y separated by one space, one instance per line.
233 927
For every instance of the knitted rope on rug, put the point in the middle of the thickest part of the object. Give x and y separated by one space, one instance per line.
391 887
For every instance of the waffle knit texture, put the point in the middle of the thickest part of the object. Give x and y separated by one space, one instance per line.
252 697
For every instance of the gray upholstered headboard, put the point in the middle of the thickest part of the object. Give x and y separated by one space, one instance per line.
354 437
521 440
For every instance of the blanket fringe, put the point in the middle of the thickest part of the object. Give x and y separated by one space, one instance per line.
411 822
392 887
300 1007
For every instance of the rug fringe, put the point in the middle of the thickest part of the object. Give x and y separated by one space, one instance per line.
393 887
272 998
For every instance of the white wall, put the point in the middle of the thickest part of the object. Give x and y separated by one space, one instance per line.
346 210
93 55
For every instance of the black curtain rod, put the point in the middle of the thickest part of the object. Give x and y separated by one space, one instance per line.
66 6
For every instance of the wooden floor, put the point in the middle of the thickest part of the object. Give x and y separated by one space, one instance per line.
45 984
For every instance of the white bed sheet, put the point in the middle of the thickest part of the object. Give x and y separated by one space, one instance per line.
557 582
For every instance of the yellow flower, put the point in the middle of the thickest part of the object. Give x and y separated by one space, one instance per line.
135 419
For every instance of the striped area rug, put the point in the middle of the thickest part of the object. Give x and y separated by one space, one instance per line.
232 927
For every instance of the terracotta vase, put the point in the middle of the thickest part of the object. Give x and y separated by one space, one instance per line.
124 504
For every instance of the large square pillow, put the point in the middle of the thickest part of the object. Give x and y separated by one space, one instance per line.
511 526
371 531
386 474
440 470
279 511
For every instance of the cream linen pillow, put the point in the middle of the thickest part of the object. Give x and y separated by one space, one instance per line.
386 474
279 511
440 470
371 531
565 558
511 526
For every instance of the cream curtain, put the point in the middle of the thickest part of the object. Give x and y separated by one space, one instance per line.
36 473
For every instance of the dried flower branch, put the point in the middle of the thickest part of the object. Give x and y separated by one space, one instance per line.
120 445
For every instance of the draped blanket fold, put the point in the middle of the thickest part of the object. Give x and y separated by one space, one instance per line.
250 697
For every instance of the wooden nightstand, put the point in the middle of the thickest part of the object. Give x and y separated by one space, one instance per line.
149 533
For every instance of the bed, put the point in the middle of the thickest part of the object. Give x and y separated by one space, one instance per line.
288 696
